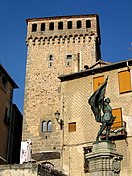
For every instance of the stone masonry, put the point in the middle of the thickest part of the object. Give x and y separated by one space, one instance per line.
53 51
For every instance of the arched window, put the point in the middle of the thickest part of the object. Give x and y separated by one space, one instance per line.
44 126
49 126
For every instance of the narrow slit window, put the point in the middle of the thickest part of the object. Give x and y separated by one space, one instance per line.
51 59
69 25
43 27
79 24
34 27
60 25
51 26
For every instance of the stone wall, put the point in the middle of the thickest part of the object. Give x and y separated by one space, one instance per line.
42 86
19 170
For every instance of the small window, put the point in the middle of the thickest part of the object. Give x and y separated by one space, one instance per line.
68 60
4 81
34 27
60 25
69 57
79 24
98 81
44 126
51 59
72 127
118 123
49 126
124 81
6 117
51 26
88 23
69 25
43 27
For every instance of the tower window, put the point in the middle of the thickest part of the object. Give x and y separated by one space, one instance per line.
60 25
49 126
69 24
51 26
88 23
34 27
69 57
79 24
68 60
44 126
43 27
51 59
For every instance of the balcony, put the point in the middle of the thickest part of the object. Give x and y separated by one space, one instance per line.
118 131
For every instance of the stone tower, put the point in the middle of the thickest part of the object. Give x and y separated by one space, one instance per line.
55 46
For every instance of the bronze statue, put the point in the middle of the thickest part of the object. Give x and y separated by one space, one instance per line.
102 110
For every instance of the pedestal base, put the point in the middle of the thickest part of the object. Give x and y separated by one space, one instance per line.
104 159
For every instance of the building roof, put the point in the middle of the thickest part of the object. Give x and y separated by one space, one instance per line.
2 70
60 17
92 71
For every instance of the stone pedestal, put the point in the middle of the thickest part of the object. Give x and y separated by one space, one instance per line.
104 160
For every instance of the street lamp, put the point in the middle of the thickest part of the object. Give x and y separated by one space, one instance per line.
60 121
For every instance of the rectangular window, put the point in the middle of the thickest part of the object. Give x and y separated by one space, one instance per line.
124 81
97 82
34 27
68 60
51 26
79 24
69 25
88 23
43 27
72 127
118 120
60 25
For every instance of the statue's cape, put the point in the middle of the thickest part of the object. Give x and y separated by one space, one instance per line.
96 101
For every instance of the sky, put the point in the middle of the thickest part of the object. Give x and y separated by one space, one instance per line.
115 26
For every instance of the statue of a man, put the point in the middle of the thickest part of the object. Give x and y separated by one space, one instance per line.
100 105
